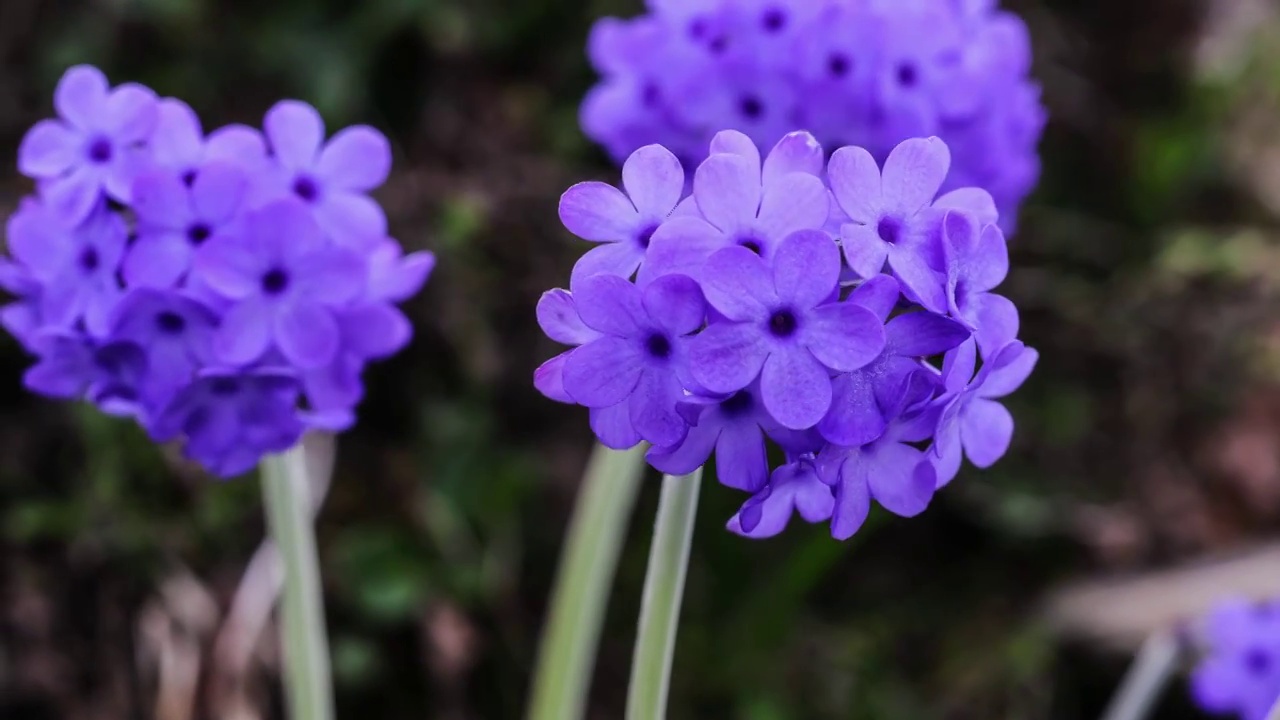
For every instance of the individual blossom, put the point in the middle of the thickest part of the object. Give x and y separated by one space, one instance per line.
640 357
1240 672
175 334
973 423
977 262
331 178
71 366
96 145
793 488
283 281
782 324
179 145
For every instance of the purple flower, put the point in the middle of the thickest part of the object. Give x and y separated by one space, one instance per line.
176 218
623 223
178 143
890 214
972 421
794 486
70 366
734 428
864 400
332 178
94 146
284 282
1240 674
741 204
231 418
977 261
75 266
782 325
641 354
175 334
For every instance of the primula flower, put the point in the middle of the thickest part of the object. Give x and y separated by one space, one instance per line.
1240 673
70 366
792 487
978 261
174 332
782 326
94 146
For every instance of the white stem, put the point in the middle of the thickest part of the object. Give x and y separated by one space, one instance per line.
1146 678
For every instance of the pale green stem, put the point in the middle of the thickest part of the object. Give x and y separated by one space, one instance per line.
581 594
1146 679
305 644
1275 712
663 592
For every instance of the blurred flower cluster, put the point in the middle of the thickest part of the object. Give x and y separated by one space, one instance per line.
225 288
852 72
840 309
1240 673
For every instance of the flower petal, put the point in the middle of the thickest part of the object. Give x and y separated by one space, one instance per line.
598 212
727 190
1009 372
901 478
609 304
177 141
358 158
843 336
913 173
986 428
879 294
922 334
230 267
81 96
161 201
245 333
295 132
794 202
73 196
919 281
131 113
996 318
736 143
689 454
307 334
806 268
854 418
331 276
855 182
852 502
603 372
374 330
796 152
741 460
239 145
764 515
738 284
675 303
796 388
612 425
157 260
351 219
653 409
727 357
680 246
654 180
548 379
218 192
614 258
864 249
48 149
975 201
989 263
558 317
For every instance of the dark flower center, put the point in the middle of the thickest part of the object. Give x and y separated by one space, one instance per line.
839 65
651 94
170 323
782 323
719 44
698 28
889 229
646 235
752 243
774 20
1258 661
198 233
738 404
751 107
275 281
189 178
100 150
89 259
907 75
224 386
658 346
306 188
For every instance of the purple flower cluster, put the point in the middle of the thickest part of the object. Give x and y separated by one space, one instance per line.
1240 674
225 289
852 72
841 310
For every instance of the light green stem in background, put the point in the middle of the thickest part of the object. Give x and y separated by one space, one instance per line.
1275 712
307 679
663 592
1146 678
581 594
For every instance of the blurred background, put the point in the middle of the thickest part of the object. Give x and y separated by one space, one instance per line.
1144 479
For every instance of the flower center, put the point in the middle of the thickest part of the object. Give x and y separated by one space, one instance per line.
889 230
774 20
189 178
646 235
752 243
658 346
698 28
651 94
1258 660
100 150
719 44
198 233
839 65
738 404
224 386
907 75
275 281
751 107
89 259
170 323
306 188
782 323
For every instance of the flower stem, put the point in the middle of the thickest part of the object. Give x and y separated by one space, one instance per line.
581 593
303 637
663 591
1275 712
1147 676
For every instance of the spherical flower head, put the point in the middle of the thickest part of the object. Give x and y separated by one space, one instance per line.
331 179
782 325
1240 672
96 145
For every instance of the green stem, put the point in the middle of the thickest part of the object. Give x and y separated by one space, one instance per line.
1146 678
663 591
587 564
303 637
1275 712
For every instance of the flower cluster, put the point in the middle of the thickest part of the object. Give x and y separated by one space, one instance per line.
1240 674
225 289
797 301
863 72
